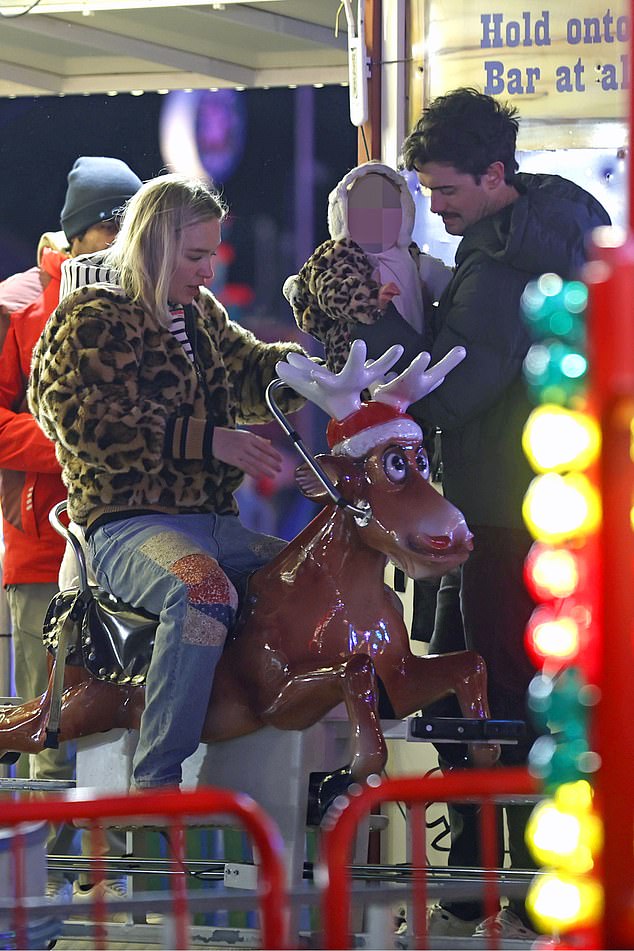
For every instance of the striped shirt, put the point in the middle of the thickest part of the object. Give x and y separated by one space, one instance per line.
178 329
85 269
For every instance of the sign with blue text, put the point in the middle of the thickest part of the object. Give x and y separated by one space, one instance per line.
557 61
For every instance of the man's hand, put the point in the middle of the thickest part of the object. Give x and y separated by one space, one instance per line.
253 454
386 293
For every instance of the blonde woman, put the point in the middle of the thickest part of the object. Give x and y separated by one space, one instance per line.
142 383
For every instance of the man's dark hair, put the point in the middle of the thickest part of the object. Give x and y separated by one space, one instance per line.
466 129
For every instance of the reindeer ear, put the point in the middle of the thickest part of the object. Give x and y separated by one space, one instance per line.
335 467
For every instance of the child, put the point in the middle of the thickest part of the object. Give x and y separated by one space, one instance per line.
369 280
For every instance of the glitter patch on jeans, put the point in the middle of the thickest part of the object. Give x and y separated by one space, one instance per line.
212 600
207 625
167 547
206 581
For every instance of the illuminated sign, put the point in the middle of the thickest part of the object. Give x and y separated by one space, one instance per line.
202 132
554 61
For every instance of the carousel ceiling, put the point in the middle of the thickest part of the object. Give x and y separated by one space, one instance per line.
71 47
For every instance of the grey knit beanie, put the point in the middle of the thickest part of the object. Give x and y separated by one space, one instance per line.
98 187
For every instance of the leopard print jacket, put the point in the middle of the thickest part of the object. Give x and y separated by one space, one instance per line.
333 291
110 383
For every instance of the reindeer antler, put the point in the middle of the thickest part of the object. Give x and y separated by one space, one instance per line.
338 394
417 381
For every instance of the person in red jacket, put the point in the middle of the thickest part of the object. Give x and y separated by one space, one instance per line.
30 476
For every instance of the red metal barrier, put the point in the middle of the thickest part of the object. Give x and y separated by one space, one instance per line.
482 786
174 809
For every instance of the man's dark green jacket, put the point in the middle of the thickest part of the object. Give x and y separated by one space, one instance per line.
482 405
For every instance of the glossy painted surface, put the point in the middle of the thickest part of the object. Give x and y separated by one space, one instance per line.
319 625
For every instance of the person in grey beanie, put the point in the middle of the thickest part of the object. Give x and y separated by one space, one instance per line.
30 476
98 188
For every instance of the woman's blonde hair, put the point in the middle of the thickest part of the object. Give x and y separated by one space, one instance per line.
146 250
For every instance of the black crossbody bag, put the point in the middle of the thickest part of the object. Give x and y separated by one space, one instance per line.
112 640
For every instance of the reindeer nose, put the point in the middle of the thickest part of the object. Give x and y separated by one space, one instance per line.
439 542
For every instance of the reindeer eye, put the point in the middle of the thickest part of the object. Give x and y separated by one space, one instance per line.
395 465
422 463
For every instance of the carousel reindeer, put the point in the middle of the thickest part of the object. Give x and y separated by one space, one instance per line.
318 625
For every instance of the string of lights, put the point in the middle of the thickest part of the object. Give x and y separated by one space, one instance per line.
562 509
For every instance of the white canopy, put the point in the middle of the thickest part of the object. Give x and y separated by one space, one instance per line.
65 47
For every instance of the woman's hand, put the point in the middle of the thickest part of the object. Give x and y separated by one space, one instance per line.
243 449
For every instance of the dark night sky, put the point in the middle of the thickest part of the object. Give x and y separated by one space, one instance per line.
40 138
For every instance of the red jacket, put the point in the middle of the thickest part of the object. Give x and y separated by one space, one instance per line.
30 476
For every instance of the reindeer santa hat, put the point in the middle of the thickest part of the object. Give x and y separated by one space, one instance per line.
356 426
372 423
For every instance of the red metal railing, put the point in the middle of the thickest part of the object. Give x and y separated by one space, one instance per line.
172 808
482 786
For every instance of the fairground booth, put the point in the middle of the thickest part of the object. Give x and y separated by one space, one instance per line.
231 859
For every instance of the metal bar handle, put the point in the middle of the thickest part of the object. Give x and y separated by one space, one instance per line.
362 512
73 541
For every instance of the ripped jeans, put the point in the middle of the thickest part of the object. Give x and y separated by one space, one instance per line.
189 571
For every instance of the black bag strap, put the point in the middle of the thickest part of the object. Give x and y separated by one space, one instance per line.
68 637
191 329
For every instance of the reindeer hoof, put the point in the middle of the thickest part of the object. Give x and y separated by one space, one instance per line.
323 789
9 758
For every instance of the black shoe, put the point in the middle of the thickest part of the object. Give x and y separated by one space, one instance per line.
9 758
